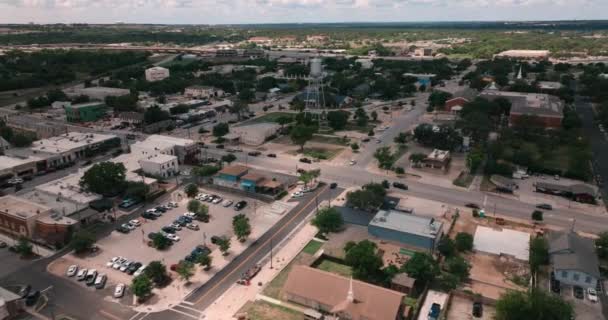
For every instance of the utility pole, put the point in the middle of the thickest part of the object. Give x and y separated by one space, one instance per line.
271 258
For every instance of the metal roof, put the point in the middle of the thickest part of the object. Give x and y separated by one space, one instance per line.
407 223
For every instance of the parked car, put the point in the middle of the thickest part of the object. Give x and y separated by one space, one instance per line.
140 270
192 226
271 155
168 229
123 229
190 214
545 206
81 275
125 265
148 216
72 270
91 276
297 194
591 295
305 160
240 205
578 292
135 223
127 226
119 291
217 200
477 309
227 203
333 185
216 239
3 244
32 298
472 205
172 237
100 281
25 290
176 226
133 267
110 263
254 153
161 209
173 204
352 162
400 185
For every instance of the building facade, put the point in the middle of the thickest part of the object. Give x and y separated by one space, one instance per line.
156 74
160 165
203 92
574 259
85 112
416 231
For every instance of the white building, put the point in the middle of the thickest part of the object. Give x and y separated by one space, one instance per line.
71 146
97 93
365 63
160 165
156 74
203 92
255 134
60 104
183 149
525 54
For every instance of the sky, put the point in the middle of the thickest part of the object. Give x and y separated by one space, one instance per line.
283 11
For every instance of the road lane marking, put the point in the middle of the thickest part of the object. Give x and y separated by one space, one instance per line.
260 246
108 315
186 314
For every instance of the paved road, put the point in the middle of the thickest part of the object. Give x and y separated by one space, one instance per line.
599 143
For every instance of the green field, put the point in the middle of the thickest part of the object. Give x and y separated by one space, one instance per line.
268 118
334 267
262 310
312 247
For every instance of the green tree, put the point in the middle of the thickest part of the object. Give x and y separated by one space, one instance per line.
338 119
533 304
422 267
21 140
107 178
459 267
300 134
221 129
193 206
371 196
161 242
328 220
191 190
157 272
185 270
228 158
464 241
601 245
239 107
417 158
155 114
385 158
205 261
141 286
241 227
537 215
283 120
24 247
446 247
202 214
82 241
539 253
364 260
374 115
362 117
136 190
224 245
205 171
355 147
401 138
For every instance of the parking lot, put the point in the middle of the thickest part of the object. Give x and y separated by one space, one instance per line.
461 308
584 309
134 245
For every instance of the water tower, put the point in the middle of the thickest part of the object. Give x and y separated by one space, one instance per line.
315 97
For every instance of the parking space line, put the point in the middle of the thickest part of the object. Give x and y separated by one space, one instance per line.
187 303
261 246
184 313
108 315
136 316
189 308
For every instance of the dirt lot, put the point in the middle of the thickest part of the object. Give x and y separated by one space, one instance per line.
490 274
461 308
261 310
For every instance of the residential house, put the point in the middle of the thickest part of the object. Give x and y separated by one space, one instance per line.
573 259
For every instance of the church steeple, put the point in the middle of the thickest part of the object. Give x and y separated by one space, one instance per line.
520 74
351 293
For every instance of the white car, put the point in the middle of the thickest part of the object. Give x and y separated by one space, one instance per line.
127 226
112 261
192 226
352 162
82 273
72 270
592 295
125 266
151 211
190 214
202 197
175 226
227 203
217 200
172 237
120 290
135 223
118 263
140 270
297 194
172 204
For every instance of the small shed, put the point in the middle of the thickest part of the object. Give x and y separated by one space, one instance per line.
403 283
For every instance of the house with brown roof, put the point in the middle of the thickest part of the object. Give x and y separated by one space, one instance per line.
242 178
342 297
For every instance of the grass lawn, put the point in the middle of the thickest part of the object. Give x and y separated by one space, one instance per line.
354 127
407 252
269 117
464 180
262 310
337 268
318 153
331 140
560 159
312 247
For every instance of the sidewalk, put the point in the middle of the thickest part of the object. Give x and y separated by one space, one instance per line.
37 249
235 298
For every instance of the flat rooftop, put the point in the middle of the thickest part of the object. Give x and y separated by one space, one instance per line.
69 141
159 158
407 223
68 188
8 162
156 142
502 242
86 104
540 104
20 207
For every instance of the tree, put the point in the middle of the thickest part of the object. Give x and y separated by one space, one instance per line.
239 107
157 272
417 158
224 245
221 129
136 190
205 261
107 178
539 253
185 270
385 158
283 120
374 115
370 196
601 245
355 147
300 134
338 119
533 304
464 241
364 260
537 215
446 247
24 247
191 190
202 214
459 267
241 226
141 286
422 267
205 171
193 205
401 138
229 158
21 140
155 114
361 116
328 220
82 241
161 242
308 176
